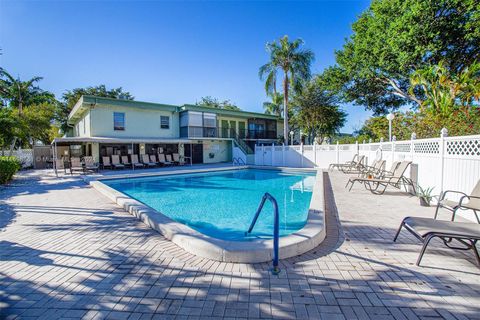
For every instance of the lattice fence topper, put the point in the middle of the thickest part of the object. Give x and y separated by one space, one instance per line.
427 147
464 147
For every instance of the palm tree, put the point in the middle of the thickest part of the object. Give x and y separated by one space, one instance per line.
17 92
274 107
294 62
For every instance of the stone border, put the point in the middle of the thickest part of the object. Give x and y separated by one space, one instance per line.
251 251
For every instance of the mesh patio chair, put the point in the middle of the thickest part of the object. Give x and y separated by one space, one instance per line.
163 161
75 165
338 165
378 186
106 163
153 159
125 162
135 161
116 162
354 167
466 202
146 161
90 164
177 159
466 234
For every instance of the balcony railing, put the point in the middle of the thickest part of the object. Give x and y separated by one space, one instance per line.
203 132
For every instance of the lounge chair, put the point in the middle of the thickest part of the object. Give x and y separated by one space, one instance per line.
75 165
106 163
425 229
153 159
135 161
373 171
116 162
378 186
354 167
178 160
90 164
162 160
466 202
168 158
146 161
125 162
338 165
60 165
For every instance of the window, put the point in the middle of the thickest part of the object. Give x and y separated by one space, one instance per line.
209 120
164 122
118 121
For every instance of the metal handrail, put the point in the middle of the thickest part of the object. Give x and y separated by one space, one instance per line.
238 161
276 227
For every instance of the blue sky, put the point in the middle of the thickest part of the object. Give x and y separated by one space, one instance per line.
168 52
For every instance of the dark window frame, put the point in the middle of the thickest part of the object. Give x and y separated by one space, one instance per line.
162 125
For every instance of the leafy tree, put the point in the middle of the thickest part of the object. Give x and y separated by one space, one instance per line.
70 97
317 112
215 103
36 123
294 62
274 107
8 125
16 93
393 38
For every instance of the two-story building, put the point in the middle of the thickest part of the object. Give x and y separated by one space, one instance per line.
104 126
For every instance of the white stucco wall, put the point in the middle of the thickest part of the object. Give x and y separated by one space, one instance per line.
143 123
82 127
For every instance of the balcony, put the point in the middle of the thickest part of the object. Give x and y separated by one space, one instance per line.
204 132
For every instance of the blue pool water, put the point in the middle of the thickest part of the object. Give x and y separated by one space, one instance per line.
222 204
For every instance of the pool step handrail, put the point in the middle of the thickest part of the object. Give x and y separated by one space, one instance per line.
276 227
238 161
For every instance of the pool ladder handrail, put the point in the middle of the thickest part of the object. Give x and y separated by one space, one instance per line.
237 161
276 228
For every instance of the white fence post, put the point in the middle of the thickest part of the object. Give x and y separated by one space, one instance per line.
338 154
273 154
283 154
393 147
314 152
412 145
263 155
301 150
443 134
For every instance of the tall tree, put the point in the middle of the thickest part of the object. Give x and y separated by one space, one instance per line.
393 38
17 93
294 62
70 97
274 107
317 112
215 103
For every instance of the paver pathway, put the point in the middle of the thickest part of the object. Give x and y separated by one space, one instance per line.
67 252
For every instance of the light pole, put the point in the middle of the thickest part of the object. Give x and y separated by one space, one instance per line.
291 137
390 117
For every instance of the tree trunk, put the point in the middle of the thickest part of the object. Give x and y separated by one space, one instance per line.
12 146
285 109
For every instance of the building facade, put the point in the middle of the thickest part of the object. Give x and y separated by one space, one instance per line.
104 126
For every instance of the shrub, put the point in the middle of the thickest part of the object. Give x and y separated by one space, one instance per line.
8 167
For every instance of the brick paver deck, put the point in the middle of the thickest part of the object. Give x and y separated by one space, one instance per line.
67 252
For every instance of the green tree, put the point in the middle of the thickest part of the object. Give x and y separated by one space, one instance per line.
393 38
70 97
9 127
317 113
215 103
16 93
294 62
274 107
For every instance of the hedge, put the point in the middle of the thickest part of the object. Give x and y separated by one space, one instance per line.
8 167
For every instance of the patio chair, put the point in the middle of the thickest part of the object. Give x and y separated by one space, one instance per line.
116 162
168 158
162 160
373 171
178 160
106 163
75 165
125 162
354 167
425 229
146 161
378 186
60 165
153 159
135 161
338 165
466 202
90 164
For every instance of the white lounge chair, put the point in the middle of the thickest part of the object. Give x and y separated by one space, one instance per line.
116 162
146 161
466 202
106 163
135 161
162 160
90 164
125 162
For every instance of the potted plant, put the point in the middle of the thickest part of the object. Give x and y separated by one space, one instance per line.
425 196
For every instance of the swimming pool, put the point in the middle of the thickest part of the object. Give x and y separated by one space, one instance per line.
222 204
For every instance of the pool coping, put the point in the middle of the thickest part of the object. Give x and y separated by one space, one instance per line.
197 243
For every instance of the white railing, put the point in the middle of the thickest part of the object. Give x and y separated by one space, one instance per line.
445 163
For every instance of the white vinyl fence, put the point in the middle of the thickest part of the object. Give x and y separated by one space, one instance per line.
25 156
445 163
